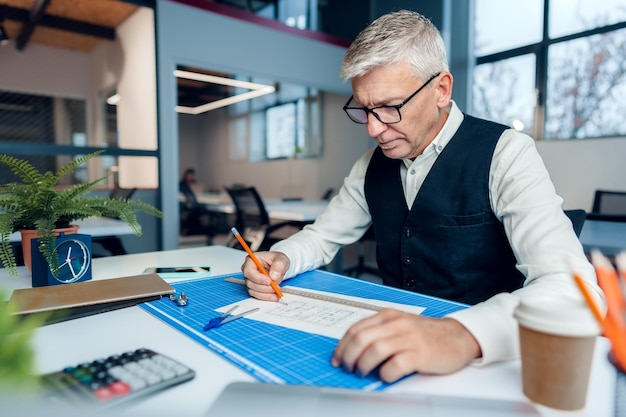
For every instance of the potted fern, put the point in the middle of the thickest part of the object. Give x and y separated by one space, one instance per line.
37 203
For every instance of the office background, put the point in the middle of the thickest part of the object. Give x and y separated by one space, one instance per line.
188 35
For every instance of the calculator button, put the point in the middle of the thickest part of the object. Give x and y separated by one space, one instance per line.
151 378
119 388
103 394
136 383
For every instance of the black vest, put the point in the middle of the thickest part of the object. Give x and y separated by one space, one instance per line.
450 244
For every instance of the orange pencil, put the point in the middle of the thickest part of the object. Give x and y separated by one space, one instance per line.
614 325
609 282
592 305
620 262
243 243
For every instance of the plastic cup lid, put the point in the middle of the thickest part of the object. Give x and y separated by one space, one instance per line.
564 317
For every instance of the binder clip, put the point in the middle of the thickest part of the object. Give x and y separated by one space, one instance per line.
180 300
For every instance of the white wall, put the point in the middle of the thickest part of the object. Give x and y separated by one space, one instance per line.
579 167
43 70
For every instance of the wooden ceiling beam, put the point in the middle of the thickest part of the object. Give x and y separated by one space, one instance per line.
59 23
36 14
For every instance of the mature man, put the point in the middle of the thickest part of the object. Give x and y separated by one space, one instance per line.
462 209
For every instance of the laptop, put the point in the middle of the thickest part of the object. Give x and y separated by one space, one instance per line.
276 400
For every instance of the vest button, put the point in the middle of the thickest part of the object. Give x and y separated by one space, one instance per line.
408 232
410 283
407 261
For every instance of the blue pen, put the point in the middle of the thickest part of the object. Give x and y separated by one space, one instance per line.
226 317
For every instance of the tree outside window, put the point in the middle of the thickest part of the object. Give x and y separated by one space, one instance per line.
565 85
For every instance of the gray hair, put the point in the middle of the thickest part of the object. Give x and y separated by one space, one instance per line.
402 36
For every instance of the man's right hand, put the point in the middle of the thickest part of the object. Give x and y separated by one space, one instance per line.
276 264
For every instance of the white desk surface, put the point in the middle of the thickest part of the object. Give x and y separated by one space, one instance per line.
296 210
104 334
299 210
608 237
95 226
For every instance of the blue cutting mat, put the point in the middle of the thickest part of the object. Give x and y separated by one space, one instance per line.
273 353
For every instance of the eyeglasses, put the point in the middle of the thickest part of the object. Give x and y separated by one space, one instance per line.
385 114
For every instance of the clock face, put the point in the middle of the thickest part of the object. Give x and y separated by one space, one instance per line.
74 260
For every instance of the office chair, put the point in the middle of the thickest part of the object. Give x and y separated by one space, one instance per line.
123 193
608 206
252 220
197 220
113 244
328 194
577 217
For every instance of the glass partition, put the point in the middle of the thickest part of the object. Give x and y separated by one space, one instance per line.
261 119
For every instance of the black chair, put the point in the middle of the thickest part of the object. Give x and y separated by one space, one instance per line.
123 193
608 206
577 217
252 220
113 244
197 220
609 202
328 194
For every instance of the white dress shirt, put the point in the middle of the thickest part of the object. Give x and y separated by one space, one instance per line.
522 197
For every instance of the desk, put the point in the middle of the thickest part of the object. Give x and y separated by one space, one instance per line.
94 226
85 339
297 210
607 236
294 210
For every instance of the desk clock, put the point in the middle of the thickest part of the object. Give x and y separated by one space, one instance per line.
74 253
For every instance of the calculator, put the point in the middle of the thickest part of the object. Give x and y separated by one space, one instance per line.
114 379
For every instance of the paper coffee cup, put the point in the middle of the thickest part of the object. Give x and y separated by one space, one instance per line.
557 340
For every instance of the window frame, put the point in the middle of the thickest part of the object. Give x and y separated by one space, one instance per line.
540 50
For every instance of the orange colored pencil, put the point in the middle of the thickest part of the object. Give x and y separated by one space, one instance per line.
620 262
609 282
259 265
614 324
592 304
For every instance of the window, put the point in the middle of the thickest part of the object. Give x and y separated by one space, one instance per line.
282 125
280 131
564 80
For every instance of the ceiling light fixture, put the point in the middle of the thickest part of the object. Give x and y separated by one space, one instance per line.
256 90
114 99
4 37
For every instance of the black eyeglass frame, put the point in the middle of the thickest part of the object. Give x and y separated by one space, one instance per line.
397 106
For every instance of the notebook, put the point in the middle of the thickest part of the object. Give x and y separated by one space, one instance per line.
79 299
275 400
